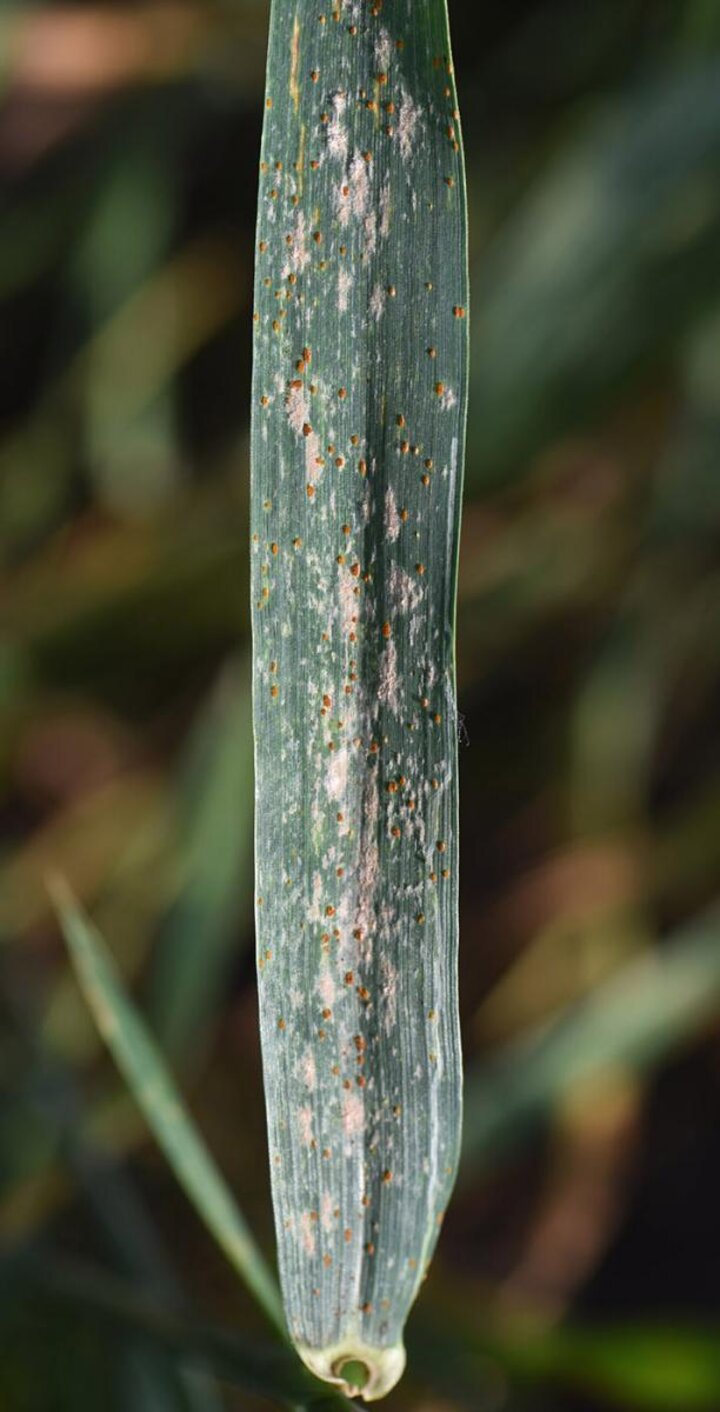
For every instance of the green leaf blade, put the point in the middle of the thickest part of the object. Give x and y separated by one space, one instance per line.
359 402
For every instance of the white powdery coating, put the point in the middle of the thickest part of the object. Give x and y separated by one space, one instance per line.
407 594
308 1070
326 989
307 1232
298 411
383 51
448 399
389 681
385 208
344 287
314 909
348 600
296 407
352 196
370 228
305 1124
327 1209
353 1115
298 253
337 137
336 779
368 873
390 977
359 186
408 118
377 302
392 518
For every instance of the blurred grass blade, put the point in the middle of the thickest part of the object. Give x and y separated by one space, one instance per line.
631 1021
609 258
145 1071
640 1367
269 1370
198 939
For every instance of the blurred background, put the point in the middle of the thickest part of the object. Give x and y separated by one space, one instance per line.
578 1267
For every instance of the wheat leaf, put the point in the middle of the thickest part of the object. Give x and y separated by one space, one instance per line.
357 451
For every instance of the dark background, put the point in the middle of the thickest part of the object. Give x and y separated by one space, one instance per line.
578 1267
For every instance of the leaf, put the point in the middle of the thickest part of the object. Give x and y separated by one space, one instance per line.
155 1093
359 395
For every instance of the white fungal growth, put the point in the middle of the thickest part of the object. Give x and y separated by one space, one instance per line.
337 136
389 681
377 302
392 518
348 604
297 409
409 116
353 1115
383 51
385 209
326 1211
326 989
344 287
314 910
389 992
307 1233
336 780
308 1070
367 882
298 253
370 228
353 194
448 399
406 592
359 183
305 1124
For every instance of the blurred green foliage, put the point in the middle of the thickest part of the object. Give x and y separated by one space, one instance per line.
577 1268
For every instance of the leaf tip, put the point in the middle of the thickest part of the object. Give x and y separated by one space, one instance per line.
358 1369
